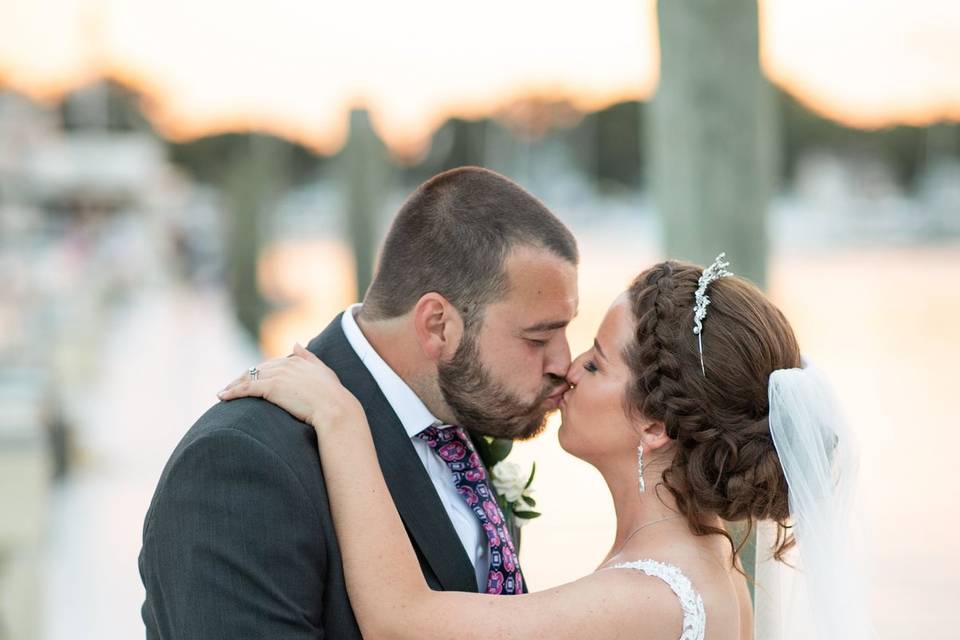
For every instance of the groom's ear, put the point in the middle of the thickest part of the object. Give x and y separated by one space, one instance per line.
438 325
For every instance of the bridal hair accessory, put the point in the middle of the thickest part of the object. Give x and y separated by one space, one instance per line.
714 272
643 485
819 457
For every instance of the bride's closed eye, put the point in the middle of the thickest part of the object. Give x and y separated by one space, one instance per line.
590 366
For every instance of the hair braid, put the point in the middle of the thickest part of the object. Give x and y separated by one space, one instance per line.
725 462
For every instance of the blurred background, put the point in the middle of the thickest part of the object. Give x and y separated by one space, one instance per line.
187 188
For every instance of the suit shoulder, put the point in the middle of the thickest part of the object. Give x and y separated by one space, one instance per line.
240 425
245 438
278 431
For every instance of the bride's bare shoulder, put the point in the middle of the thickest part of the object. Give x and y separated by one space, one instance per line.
707 562
620 604
628 603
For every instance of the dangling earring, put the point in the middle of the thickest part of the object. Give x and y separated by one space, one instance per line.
643 485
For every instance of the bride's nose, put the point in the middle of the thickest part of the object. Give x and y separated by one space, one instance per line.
575 370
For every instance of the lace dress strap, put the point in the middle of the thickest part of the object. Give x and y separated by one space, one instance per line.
694 617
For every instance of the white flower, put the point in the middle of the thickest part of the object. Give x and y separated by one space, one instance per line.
509 480
514 486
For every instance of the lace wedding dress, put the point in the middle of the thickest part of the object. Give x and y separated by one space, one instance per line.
694 618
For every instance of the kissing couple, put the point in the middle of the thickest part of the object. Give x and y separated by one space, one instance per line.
339 492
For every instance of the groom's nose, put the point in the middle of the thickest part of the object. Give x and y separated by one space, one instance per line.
558 359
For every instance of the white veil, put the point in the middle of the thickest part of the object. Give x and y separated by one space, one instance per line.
824 594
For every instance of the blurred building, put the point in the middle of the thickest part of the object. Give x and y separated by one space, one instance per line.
90 208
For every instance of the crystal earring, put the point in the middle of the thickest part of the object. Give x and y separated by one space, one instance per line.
643 485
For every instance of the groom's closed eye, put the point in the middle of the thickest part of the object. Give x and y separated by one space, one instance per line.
539 338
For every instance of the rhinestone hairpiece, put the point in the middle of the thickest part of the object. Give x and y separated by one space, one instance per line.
715 271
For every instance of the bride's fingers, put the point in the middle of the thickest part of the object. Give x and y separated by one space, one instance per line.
255 388
299 365
268 375
264 370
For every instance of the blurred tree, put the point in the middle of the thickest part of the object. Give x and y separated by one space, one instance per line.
208 159
619 142
712 134
251 170
107 105
466 144
942 140
365 175
457 143
902 148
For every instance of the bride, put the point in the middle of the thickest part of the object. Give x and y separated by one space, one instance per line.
693 418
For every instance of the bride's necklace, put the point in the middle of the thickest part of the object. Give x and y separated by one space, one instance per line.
643 526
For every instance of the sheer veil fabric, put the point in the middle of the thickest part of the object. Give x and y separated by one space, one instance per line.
824 593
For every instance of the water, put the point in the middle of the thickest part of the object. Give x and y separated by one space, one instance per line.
880 321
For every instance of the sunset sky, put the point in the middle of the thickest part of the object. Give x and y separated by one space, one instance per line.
295 67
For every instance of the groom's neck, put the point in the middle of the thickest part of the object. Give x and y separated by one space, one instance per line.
395 340
392 341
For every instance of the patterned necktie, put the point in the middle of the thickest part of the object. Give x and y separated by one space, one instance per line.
470 477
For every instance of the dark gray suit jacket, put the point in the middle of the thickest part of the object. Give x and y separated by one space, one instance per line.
238 541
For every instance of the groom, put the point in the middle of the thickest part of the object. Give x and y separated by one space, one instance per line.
463 326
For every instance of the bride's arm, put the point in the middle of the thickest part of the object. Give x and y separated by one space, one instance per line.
388 593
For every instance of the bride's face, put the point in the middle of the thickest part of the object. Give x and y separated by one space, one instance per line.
595 423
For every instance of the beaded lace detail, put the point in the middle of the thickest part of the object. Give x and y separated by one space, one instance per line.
694 617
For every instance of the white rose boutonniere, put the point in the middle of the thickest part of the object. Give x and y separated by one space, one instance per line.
514 487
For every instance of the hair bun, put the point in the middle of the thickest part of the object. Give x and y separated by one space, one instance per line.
725 464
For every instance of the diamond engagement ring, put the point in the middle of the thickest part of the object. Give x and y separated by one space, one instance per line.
254 373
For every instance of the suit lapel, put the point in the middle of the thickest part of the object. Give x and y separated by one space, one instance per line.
410 486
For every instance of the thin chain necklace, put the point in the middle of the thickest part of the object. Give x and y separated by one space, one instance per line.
643 526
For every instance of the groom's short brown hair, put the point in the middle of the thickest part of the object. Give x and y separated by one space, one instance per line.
452 236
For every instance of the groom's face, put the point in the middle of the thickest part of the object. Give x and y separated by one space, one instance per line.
508 371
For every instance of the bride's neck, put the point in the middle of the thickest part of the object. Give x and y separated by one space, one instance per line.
633 508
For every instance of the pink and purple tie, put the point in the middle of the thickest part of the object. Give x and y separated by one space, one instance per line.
470 478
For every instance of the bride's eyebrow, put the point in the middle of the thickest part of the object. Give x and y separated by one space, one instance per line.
596 345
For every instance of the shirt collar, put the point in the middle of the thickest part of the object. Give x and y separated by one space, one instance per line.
413 414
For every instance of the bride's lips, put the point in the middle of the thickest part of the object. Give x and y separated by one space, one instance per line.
556 397
563 397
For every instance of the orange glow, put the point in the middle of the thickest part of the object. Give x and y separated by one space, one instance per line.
309 279
295 68
866 64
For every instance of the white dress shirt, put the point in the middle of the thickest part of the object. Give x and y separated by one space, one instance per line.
415 417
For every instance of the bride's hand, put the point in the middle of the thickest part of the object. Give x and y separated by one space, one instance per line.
302 385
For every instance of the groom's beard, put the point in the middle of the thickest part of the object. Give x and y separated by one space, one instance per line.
483 405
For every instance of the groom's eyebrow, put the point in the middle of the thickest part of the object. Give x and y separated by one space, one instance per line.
548 325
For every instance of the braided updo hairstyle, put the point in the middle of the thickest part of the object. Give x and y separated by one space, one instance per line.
725 461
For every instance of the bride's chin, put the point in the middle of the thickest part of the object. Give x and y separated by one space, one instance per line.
563 431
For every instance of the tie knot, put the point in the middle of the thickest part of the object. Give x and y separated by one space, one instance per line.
452 445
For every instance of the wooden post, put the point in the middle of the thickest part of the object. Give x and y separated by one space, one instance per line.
252 181
365 176
712 143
